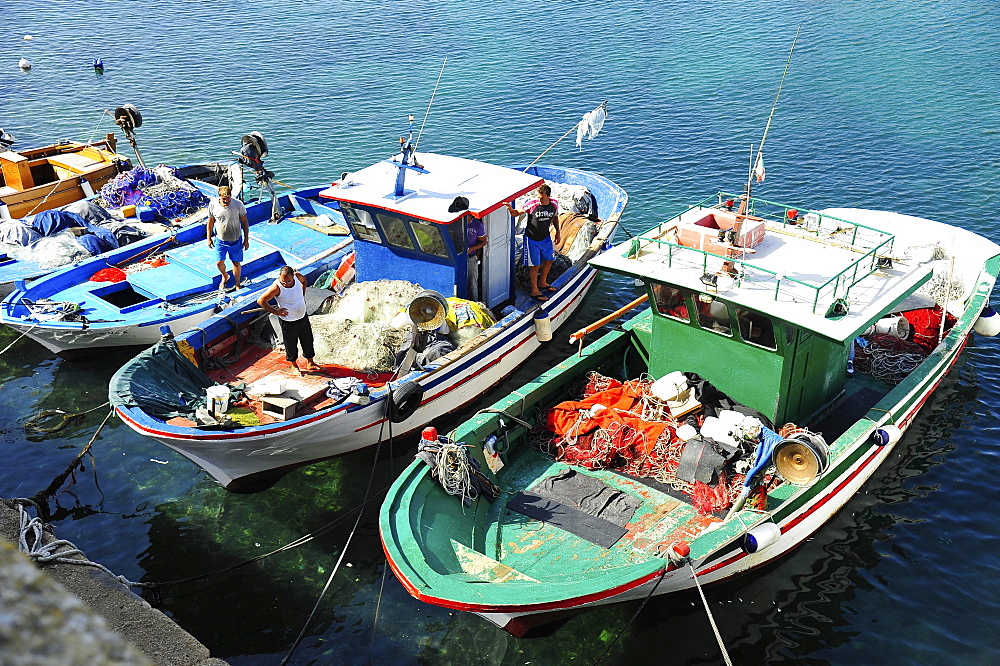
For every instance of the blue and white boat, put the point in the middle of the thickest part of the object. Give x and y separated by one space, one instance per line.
170 279
409 217
39 244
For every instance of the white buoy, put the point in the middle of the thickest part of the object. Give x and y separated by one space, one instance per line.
886 435
543 325
28 38
760 537
988 323
24 63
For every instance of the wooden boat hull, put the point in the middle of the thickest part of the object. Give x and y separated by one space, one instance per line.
230 457
70 171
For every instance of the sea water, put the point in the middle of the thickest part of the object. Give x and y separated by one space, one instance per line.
892 105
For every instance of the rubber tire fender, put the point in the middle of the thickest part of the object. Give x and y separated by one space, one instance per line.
404 401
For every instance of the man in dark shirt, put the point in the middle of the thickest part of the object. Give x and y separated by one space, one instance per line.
538 248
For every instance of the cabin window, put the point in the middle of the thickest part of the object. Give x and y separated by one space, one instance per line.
755 328
429 238
395 231
361 222
713 315
671 302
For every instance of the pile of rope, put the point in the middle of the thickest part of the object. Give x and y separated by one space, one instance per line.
888 358
458 473
623 426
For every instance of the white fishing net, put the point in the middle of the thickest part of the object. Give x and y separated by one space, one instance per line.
355 330
49 252
369 347
571 198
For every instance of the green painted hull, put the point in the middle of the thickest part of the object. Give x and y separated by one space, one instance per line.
517 572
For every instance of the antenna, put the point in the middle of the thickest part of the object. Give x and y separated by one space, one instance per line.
427 113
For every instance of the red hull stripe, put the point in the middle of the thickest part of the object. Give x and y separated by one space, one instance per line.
519 608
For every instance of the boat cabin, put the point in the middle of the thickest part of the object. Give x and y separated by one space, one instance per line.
775 336
410 222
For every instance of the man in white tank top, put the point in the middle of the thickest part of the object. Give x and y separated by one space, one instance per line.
289 290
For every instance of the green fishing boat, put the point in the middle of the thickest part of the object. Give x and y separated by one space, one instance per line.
784 353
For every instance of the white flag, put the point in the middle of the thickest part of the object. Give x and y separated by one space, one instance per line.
758 169
591 124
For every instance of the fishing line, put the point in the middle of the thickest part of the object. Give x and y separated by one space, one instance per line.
343 551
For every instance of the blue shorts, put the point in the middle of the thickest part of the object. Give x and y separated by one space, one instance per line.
233 250
535 252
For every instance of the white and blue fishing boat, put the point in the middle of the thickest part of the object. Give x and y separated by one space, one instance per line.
169 279
409 217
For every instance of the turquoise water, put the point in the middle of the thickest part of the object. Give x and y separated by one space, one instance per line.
894 105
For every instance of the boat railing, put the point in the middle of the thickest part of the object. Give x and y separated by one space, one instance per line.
802 222
868 243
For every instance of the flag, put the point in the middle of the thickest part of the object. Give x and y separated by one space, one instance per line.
591 124
758 169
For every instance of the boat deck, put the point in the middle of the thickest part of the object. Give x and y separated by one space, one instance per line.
257 365
535 549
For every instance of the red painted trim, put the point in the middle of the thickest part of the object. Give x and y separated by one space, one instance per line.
481 214
520 608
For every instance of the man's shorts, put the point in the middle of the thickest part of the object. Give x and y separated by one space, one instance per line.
232 250
535 252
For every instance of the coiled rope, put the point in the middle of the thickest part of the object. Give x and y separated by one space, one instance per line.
452 469
30 543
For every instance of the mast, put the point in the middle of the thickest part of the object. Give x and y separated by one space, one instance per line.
755 163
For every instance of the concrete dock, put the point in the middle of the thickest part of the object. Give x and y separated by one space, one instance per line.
78 614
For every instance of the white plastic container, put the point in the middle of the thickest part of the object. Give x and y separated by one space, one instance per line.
719 430
218 399
669 386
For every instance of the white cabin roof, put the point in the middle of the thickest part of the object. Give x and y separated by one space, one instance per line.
791 268
428 195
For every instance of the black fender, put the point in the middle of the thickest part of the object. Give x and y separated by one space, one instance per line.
404 400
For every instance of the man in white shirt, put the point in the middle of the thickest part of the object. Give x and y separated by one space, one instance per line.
289 290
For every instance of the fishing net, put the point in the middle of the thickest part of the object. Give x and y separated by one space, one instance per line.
888 358
368 347
52 251
354 329
159 188
571 198
623 426
375 301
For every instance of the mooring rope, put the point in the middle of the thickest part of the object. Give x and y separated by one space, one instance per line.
343 551
33 326
59 480
34 549
632 619
30 423
715 629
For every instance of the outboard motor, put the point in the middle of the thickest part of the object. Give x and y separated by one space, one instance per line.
252 154
129 119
